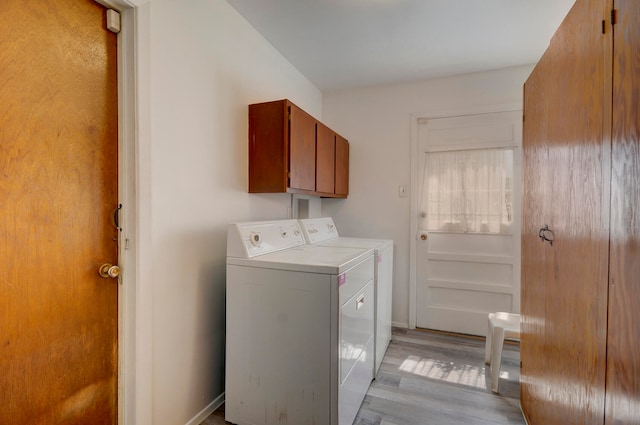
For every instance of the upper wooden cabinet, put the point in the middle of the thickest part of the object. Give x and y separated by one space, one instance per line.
290 151
302 149
342 166
325 160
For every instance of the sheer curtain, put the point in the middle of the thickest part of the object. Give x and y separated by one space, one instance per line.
468 191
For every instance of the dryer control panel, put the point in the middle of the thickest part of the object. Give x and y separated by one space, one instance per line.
247 240
318 229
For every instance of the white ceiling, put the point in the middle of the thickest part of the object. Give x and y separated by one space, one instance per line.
341 44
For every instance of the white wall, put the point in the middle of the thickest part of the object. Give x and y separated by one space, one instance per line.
377 123
206 64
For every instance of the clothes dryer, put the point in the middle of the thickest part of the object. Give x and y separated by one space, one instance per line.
323 232
299 327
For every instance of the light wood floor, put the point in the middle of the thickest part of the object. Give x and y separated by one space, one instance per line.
430 378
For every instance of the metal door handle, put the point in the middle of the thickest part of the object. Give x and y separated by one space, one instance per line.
109 270
359 302
423 236
546 234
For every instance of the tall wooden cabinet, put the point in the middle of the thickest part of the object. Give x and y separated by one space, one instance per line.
580 347
623 338
290 151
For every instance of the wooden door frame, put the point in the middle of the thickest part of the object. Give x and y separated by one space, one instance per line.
414 195
134 182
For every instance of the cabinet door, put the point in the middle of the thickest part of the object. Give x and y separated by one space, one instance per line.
302 149
342 166
326 159
268 166
564 285
623 349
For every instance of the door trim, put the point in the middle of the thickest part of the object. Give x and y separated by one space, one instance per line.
414 171
134 294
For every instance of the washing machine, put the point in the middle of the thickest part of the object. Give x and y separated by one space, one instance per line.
323 232
299 341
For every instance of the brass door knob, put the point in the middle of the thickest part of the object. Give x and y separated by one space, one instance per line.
423 236
109 270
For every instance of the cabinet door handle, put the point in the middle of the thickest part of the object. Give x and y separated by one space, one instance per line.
546 234
359 302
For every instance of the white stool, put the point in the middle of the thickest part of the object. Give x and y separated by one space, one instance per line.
501 327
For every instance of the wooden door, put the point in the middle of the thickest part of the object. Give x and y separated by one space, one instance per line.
623 349
564 285
58 194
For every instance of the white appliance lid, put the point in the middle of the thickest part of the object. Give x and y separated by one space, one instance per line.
308 258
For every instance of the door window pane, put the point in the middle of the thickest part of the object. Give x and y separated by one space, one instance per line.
468 191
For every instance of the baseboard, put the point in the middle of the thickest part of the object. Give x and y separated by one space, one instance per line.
204 414
523 415
402 325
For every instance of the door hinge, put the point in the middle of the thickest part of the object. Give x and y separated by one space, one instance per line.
613 17
113 21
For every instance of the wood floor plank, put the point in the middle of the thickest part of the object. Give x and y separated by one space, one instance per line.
430 378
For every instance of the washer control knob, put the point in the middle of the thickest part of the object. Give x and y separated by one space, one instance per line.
255 239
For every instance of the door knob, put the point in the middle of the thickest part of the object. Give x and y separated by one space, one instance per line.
109 270
423 236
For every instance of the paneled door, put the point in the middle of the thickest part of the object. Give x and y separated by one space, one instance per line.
468 241
566 189
58 195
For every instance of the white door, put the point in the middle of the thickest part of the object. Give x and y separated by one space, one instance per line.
468 241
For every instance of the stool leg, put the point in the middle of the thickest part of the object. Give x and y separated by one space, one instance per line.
487 345
496 354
